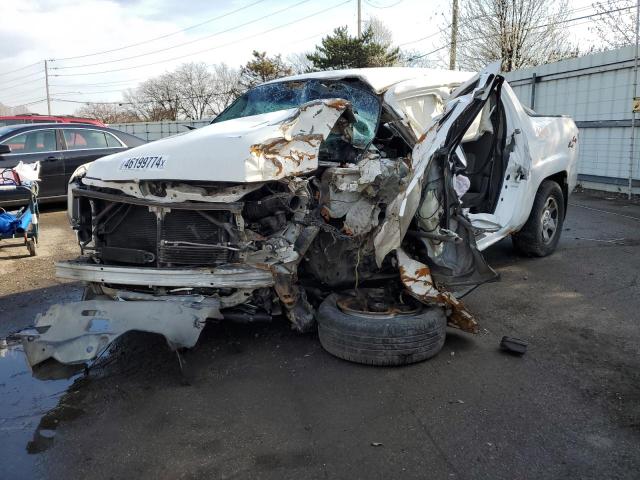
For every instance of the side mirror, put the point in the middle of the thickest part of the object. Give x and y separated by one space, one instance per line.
4 149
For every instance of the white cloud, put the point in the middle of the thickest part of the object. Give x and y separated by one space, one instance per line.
33 30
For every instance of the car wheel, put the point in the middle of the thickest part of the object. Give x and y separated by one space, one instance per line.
540 235
381 333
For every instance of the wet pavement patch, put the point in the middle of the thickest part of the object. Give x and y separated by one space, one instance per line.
31 409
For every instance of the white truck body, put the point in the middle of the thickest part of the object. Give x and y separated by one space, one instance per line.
415 172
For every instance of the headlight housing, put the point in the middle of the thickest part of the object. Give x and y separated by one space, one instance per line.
72 204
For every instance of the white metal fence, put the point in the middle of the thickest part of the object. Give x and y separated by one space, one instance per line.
150 131
597 91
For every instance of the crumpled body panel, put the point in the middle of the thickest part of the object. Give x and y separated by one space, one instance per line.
78 332
257 148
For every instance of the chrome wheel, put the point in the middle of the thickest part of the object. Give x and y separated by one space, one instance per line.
549 220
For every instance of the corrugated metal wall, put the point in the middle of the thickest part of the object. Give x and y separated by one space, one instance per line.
155 130
597 91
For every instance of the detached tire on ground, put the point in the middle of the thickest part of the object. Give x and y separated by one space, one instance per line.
394 339
540 235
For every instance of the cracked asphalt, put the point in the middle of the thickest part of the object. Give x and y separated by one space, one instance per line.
260 401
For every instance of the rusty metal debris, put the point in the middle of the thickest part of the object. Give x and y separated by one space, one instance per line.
376 303
416 276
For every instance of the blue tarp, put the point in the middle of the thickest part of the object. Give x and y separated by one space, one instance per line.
11 223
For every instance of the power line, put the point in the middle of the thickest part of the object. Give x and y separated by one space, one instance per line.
3 86
142 102
368 2
20 104
21 91
19 69
250 37
22 101
136 81
105 84
162 36
19 84
442 30
53 99
26 92
445 28
185 43
560 22
584 17
88 93
33 103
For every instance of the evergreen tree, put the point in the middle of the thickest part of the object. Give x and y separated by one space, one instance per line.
340 50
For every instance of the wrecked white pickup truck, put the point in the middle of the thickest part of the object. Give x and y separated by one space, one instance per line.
357 200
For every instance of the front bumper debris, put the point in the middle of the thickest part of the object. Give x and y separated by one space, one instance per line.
228 276
78 332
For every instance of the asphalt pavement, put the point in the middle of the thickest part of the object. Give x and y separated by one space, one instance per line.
262 402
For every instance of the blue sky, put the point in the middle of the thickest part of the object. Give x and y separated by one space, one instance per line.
37 29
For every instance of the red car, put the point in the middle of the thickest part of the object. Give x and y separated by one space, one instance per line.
36 118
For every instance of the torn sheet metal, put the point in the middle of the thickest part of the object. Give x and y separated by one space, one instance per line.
78 332
356 193
401 210
296 150
257 148
416 277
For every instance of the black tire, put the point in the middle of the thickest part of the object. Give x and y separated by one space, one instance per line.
535 238
398 340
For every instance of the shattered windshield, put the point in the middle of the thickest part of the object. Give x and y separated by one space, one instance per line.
284 95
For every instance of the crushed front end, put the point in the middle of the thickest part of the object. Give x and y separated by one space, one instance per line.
263 215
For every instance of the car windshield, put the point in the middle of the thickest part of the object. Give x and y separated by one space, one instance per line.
284 95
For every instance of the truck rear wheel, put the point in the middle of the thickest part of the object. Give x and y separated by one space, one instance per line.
540 235
381 335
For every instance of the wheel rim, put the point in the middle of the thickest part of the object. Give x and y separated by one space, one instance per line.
549 220
376 306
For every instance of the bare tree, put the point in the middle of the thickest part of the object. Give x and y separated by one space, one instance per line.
380 32
155 99
106 113
615 29
192 91
196 89
226 85
299 63
519 33
17 110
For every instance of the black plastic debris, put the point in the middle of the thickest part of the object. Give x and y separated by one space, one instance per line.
513 345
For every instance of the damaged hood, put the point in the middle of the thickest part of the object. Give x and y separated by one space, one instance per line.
257 148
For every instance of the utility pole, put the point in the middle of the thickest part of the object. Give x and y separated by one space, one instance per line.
46 83
359 18
454 36
633 111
